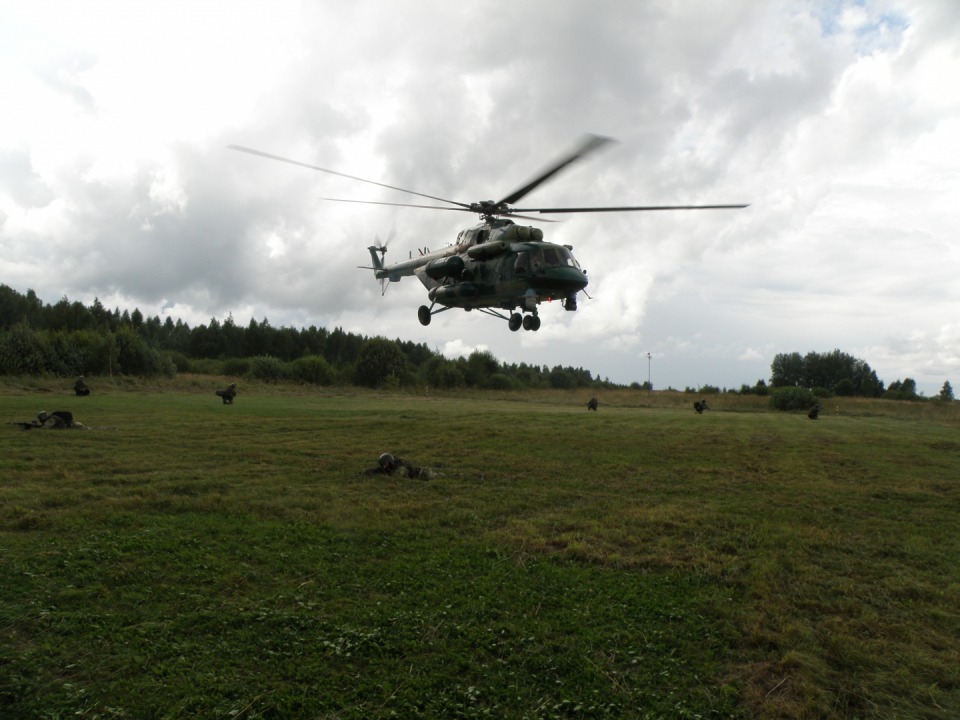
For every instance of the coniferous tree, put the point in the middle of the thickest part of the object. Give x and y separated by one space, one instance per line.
946 392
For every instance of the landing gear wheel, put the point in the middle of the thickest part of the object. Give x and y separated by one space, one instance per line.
423 315
535 323
528 322
515 322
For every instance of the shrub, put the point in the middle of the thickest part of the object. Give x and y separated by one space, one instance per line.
311 369
134 357
480 366
378 358
792 398
266 368
845 388
26 352
235 367
180 361
499 381
824 393
561 379
205 366
440 372
709 390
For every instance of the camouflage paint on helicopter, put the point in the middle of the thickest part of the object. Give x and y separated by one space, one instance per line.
497 265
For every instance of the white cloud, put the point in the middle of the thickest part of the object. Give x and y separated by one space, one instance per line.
457 348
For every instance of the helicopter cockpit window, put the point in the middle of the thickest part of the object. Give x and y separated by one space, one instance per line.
567 259
550 258
522 264
536 260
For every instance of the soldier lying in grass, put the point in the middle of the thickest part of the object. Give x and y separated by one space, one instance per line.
59 420
398 467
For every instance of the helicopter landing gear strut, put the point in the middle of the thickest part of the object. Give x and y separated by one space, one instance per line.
424 313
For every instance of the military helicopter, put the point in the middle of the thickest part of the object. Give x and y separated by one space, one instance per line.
497 266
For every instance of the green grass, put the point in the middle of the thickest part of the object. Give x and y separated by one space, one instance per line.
189 559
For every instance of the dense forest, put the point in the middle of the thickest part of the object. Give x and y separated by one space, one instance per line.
68 338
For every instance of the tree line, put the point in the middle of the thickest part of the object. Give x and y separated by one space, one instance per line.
68 339
837 373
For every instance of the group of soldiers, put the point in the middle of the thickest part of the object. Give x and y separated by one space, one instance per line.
59 419
387 464
699 406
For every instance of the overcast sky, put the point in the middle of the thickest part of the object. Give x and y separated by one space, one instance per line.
839 122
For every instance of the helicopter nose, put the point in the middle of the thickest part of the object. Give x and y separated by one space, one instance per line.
568 280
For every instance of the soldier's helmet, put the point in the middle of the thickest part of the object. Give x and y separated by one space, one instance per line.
43 415
232 385
386 460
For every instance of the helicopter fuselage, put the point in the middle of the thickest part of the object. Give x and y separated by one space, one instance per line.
496 264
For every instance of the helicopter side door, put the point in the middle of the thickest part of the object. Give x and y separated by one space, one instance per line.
521 265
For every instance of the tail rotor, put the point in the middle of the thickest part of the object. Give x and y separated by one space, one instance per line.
377 252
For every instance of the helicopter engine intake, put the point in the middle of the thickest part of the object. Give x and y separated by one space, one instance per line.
488 250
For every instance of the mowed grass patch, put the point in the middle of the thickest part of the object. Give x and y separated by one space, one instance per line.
815 561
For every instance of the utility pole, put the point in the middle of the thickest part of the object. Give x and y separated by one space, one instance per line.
649 384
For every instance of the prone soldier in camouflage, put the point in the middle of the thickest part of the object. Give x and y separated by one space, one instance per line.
229 394
398 467
80 387
59 420
592 404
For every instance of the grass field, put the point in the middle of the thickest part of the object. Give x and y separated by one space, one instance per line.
189 559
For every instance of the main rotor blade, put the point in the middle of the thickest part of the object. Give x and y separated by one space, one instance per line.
375 202
430 207
524 217
628 208
586 146
340 174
